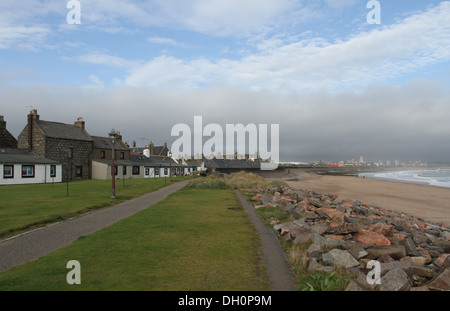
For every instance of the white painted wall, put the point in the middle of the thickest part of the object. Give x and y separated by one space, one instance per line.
102 171
41 175
149 172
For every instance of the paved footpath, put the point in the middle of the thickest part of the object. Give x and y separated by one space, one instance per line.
281 276
36 243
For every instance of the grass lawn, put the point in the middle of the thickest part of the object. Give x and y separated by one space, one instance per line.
195 240
24 207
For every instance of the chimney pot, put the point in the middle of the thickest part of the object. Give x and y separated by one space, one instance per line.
80 123
2 122
34 115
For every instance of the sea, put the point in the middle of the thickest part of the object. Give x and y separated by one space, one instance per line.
434 177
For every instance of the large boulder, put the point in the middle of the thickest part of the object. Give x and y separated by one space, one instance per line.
314 251
443 244
358 251
410 247
419 237
381 228
396 252
368 237
341 258
442 282
443 261
395 280
388 266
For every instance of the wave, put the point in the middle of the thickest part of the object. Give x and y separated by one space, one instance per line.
433 177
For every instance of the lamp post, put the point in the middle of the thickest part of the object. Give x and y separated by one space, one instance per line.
69 168
113 136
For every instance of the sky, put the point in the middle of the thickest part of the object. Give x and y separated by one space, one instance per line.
338 85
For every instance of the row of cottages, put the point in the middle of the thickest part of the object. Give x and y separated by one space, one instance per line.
140 166
48 151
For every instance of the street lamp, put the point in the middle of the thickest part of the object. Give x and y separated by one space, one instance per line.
113 136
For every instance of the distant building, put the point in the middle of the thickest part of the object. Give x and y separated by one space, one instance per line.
159 150
103 148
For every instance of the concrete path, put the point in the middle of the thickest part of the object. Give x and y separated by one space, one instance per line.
36 243
280 274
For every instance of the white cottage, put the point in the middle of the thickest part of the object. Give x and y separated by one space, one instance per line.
21 167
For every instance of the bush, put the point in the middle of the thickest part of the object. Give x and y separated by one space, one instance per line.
277 183
210 182
244 180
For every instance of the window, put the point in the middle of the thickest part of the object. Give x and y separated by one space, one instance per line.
124 170
157 171
116 170
135 170
102 154
52 170
27 171
122 155
165 171
147 171
78 171
8 171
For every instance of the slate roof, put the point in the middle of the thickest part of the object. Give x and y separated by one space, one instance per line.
116 162
19 156
154 161
63 131
101 142
160 150
231 164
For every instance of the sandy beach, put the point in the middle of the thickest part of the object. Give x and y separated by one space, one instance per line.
427 202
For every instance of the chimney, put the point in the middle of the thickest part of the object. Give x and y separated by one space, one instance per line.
80 123
34 114
152 148
119 137
32 118
2 122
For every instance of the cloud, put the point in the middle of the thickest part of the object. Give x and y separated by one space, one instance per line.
96 83
215 18
104 60
167 72
312 64
407 122
341 3
23 37
165 41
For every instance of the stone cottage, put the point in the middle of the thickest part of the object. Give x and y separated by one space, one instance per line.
68 144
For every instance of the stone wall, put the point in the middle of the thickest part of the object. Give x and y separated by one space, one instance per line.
7 140
57 149
108 153
38 143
